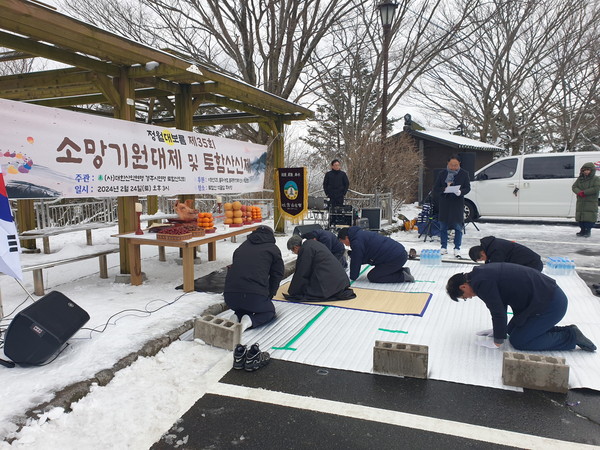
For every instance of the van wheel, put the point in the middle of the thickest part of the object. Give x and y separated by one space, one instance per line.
471 214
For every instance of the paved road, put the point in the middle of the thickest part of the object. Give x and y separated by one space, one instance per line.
289 405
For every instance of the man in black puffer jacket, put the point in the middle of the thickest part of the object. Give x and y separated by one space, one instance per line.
253 278
496 250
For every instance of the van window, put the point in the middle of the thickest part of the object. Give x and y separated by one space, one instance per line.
502 169
550 167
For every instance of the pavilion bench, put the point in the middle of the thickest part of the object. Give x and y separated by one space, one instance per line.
38 277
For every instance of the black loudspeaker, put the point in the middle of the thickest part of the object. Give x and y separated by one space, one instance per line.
303 229
374 216
41 329
317 203
467 162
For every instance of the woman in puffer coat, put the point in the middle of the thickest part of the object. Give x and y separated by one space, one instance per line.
586 187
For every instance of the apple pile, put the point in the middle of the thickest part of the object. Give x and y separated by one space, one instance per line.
175 230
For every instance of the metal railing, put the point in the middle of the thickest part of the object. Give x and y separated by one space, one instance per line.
358 201
60 213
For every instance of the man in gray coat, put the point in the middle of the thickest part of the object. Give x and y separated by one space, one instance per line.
319 276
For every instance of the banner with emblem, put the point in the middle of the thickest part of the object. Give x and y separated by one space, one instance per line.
291 192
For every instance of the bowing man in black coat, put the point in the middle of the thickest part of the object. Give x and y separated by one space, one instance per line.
329 240
253 278
493 250
319 276
536 302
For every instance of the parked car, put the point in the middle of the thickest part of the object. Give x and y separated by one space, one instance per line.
535 185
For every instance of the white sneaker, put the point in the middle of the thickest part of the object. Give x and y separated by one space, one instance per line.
457 253
443 251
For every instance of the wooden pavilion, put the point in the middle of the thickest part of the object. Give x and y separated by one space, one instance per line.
134 81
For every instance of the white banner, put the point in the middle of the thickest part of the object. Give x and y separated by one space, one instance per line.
50 152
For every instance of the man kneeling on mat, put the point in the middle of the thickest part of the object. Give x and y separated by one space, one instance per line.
537 304
253 279
319 276
387 255
493 250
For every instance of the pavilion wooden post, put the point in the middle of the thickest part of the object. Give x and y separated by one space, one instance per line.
278 162
184 119
25 217
125 110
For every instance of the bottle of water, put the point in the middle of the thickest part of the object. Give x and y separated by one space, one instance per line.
551 265
571 267
437 257
425 257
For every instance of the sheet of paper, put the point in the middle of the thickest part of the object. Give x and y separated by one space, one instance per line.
452 190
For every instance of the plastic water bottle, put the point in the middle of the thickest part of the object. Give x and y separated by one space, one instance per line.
551 266
425 257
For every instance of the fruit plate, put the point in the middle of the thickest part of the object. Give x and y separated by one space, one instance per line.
173 237
235 225
199 233
210 230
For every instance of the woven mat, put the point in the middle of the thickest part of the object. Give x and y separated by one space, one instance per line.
390 302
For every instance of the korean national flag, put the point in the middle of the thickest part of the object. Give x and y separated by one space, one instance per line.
10 262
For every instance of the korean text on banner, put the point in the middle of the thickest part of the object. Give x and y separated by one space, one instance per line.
50 152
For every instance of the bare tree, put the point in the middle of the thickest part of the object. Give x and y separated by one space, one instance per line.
507 75
390 167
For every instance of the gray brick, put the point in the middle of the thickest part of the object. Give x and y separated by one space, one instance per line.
544 373
218 332
406 360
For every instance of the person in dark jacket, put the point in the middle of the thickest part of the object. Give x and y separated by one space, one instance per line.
493 250
318 276
336 184
586 187
537 304
449 190
253 278
329 240
386 255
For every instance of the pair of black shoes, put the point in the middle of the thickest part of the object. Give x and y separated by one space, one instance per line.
584 233
249 359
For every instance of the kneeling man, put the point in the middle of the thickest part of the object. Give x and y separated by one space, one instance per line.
493 250
536 301
319 276
385 254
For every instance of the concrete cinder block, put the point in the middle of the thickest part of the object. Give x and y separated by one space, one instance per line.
544 373
406 360
218 332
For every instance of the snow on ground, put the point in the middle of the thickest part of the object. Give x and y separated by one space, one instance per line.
144 400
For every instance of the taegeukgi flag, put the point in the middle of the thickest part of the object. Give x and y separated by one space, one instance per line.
10 262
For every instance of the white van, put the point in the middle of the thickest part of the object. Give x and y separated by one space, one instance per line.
536 185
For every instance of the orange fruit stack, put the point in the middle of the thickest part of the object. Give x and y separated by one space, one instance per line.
256 213
205 220
228 207
237 213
